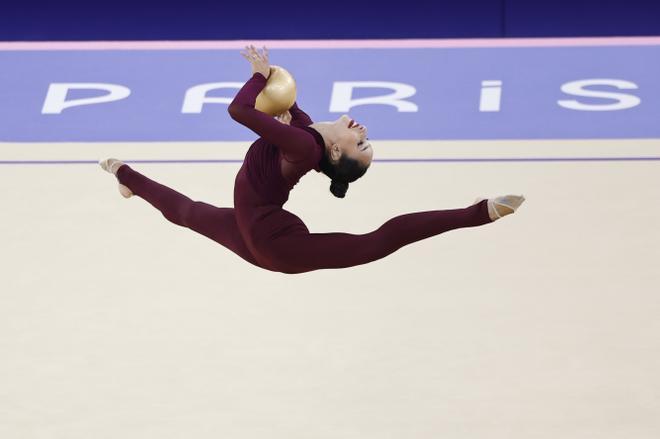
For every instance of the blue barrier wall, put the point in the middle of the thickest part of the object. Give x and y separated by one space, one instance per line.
33 20
566 18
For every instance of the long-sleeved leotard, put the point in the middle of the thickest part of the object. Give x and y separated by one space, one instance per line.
259 230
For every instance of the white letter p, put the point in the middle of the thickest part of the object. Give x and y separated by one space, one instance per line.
56 101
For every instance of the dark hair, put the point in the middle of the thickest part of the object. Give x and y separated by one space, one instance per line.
345 171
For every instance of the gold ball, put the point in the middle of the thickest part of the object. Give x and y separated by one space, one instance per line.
279 94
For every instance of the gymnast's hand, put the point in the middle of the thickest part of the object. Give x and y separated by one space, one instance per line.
259 61
284 118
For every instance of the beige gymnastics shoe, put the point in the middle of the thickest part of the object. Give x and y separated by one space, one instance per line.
502 206
505 205
112 166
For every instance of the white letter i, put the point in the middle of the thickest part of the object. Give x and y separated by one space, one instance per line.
491 94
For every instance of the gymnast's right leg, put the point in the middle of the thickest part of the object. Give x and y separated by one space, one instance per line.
216 223
301 251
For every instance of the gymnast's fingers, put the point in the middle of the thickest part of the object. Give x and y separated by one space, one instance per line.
262 55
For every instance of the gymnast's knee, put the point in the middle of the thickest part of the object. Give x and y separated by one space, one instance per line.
183 215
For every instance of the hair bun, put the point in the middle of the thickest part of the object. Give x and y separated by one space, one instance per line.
338 188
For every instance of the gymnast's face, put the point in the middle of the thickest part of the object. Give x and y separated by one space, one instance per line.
351 139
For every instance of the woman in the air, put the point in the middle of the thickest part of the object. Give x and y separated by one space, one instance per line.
258 229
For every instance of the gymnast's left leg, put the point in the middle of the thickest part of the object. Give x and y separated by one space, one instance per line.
216 223
301 252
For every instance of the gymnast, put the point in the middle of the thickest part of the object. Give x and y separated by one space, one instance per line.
258 229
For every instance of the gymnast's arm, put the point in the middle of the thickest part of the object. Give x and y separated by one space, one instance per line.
298 117
295 143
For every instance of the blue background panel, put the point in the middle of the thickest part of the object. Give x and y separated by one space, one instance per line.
35 20
566 18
